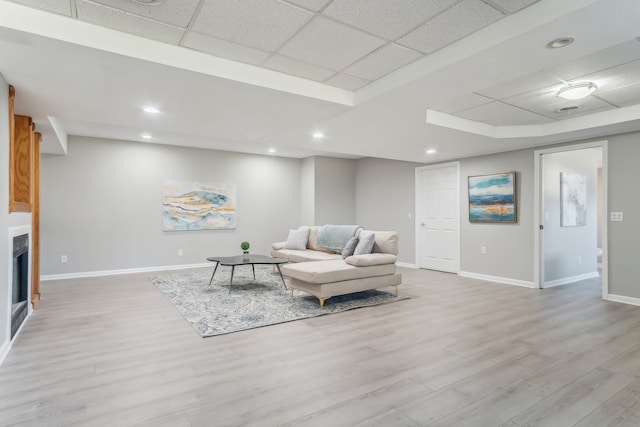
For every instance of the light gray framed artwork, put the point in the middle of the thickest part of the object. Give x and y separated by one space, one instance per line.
195 206
573 200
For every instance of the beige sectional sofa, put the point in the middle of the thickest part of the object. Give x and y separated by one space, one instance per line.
323 273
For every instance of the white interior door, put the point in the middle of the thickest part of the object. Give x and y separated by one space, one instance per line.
438 217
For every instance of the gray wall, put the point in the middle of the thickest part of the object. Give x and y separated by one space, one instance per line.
102 204
307 191
509 246
385 197
335 196
624 152
563 245
7 220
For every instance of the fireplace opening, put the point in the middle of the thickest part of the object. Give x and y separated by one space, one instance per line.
20 286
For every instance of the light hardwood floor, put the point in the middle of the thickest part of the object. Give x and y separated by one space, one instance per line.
461 352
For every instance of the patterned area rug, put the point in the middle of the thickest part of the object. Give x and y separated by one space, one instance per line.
212 310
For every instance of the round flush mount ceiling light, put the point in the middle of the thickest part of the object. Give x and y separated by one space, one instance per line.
577 90
146 136
431 151
560 42
318 135
271 150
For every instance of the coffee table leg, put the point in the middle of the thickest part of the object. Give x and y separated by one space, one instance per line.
233 268
253 267
214 272
280 271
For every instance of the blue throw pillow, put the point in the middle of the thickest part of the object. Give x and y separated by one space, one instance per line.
350 247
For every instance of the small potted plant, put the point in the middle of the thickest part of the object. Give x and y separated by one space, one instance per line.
245 249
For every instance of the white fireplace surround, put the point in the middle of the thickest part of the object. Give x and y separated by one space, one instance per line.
14 232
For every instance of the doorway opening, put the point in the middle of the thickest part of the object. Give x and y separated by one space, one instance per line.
570 221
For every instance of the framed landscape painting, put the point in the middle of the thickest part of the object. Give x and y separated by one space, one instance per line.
492 198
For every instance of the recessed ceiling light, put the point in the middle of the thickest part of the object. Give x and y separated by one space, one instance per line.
318 135
151 110
577 90
431 151
146 136
272 150
560 42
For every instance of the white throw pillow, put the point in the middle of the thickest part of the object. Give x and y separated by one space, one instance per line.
365 245
297 239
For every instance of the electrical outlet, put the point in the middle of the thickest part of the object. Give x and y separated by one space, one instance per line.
63 259
617 216
483 250
180 252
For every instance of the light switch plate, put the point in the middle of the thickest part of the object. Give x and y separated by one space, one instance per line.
617 216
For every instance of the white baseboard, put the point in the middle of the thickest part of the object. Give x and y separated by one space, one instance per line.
123 271
406 264
505 280
572 279
623 299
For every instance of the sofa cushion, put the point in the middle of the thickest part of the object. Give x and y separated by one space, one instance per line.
386 242
297 239
305 256
334 271
371 259
365 244
350 247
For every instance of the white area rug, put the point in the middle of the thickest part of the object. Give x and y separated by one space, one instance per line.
252 303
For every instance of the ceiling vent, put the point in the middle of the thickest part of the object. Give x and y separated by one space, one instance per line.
568 109
148 2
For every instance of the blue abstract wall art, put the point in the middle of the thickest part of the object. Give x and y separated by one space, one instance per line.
492 198
196 206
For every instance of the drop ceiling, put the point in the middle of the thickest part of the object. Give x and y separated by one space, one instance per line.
380 78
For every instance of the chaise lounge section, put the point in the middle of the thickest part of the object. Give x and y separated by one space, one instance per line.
325 278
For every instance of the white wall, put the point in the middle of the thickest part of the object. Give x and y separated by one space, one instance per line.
569 251
102 204
307 192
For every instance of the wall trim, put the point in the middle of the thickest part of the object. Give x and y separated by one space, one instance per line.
406 264
504 280
623 299
4 351
122 271
571 279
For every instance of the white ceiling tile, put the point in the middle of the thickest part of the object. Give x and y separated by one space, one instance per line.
384 18
314 5
614 77
223 48
623 97
511 6
330 44
545 102
382 62
122 21
601 60
463 103
63 7
260 24
457 22
297 68
174 12
345 81
500 114
520 85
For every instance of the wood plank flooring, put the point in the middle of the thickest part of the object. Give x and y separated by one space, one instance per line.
113 351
